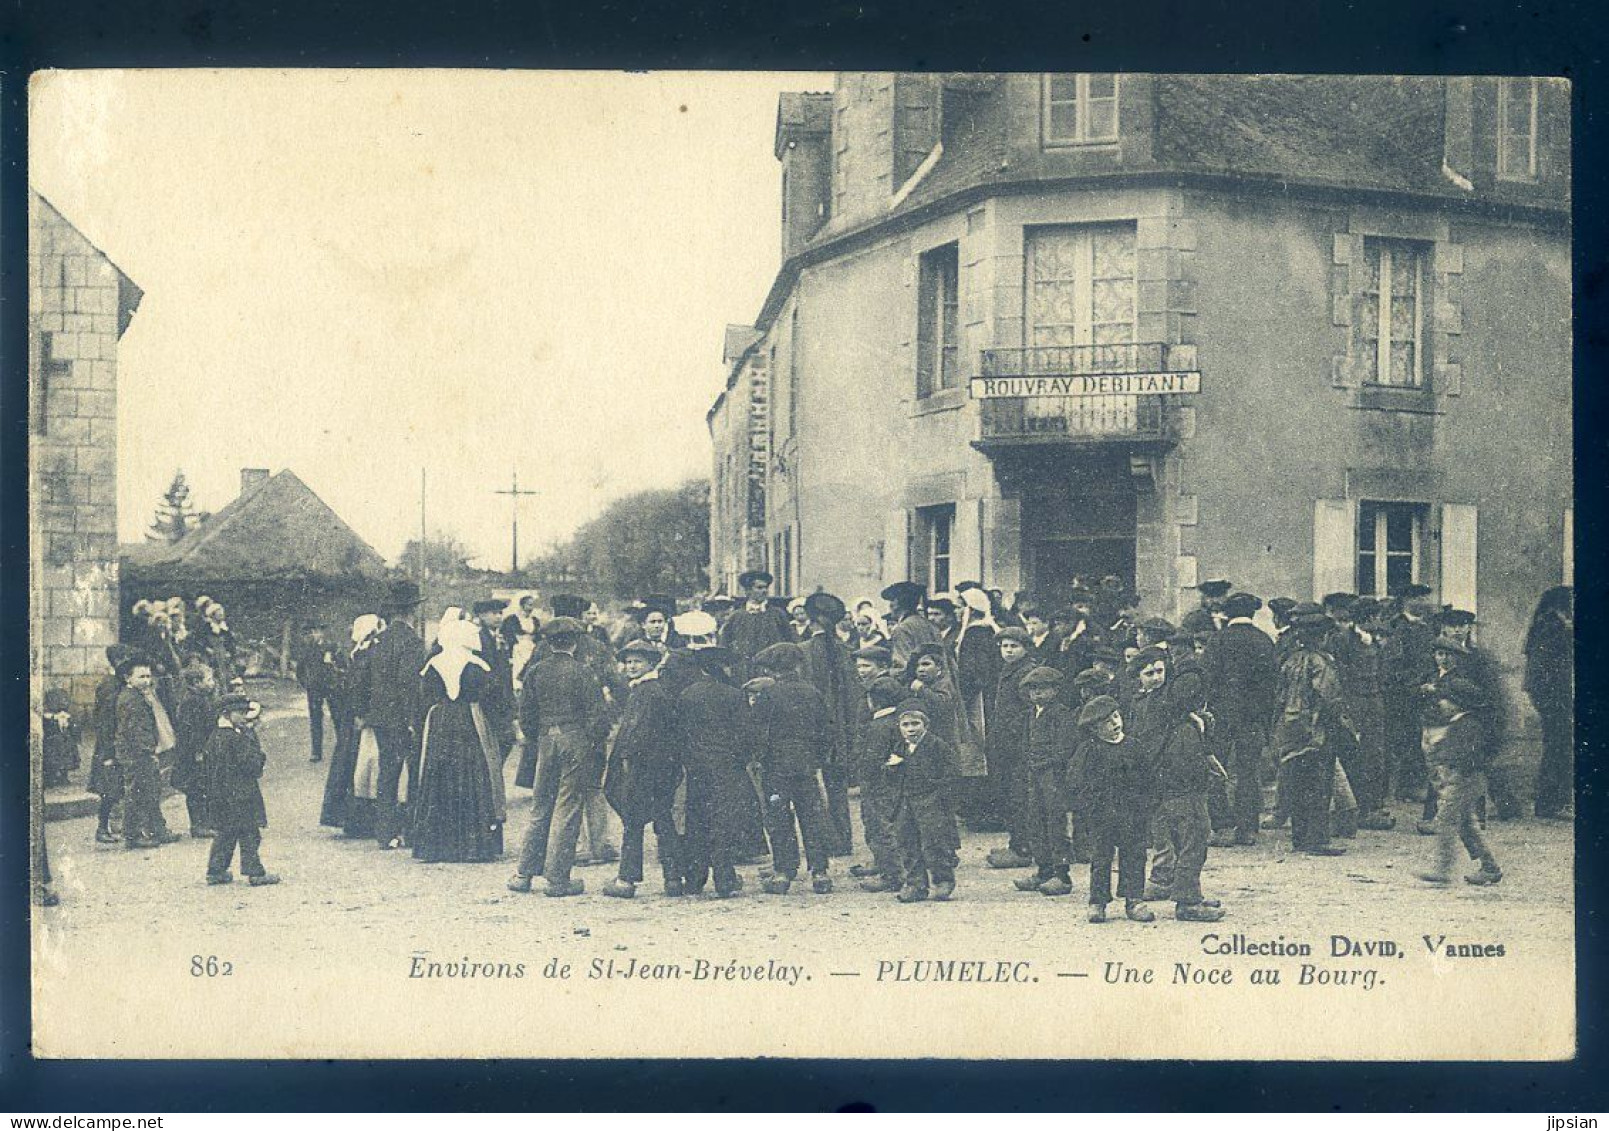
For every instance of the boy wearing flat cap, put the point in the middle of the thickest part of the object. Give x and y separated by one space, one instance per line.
878 738
234 761
1112 786
1052 734
921 771
1458 753
754 625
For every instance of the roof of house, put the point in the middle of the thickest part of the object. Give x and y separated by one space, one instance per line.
274 530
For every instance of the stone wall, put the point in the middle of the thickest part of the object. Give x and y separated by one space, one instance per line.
79 305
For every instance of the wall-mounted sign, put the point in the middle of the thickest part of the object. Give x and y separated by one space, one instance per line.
1087 385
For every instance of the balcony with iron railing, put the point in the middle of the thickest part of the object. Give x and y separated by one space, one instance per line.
1144 379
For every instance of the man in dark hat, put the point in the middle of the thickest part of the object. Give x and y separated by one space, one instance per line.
908 628
1005 741
1213 591
1459 757
714 725
1406 665
1357 660
1312 723
644 771
498 703
314 658
1051 737
233 762
562 707
754 625
830 669
394 707
1242 678
792 728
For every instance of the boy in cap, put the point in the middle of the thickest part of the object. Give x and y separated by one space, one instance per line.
878 739
234 762
1050 741
712 717
921 771
1457 751
792 728
1112 787
1004 741
643 772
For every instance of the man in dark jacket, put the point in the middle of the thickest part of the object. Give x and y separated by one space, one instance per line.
315 671
562 708
908 630
394 708
1312 723
1242 679
1113 788
1004 743
144 733
1407 665
921 771
234 762
1051 737
105 772
754 625
713 726
643 773
830 670
791 728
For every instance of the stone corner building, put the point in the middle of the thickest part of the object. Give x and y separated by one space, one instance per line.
1318 329
80 304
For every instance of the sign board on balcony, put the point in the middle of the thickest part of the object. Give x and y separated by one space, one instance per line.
1090 385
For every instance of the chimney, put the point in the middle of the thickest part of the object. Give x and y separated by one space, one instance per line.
804 129
252 477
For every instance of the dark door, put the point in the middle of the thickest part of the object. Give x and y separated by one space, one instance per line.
1057 564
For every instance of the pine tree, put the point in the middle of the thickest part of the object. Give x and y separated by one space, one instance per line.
175 515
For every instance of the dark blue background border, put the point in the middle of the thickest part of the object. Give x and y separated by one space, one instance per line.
1369 36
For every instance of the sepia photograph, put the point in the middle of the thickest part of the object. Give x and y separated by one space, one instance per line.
580 564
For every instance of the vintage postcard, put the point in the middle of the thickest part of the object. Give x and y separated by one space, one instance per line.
537 564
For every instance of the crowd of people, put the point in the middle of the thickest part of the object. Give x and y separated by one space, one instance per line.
736 730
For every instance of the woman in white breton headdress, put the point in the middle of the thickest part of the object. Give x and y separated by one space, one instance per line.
458 806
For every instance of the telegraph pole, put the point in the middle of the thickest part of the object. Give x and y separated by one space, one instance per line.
515 494
422 546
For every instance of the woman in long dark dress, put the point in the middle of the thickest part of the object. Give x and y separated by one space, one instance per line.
341 809
1550 683
457 810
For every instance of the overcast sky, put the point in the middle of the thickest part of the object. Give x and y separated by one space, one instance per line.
359 274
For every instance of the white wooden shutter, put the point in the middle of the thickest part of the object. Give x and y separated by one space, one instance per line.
1335 524
897 547
1458 540
966 542
1002 525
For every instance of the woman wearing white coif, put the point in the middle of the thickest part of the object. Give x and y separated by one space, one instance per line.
457 807
355 768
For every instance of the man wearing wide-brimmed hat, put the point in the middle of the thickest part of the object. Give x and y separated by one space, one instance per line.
1312 722
755 625
394 709
1242 676
831 669
908 628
